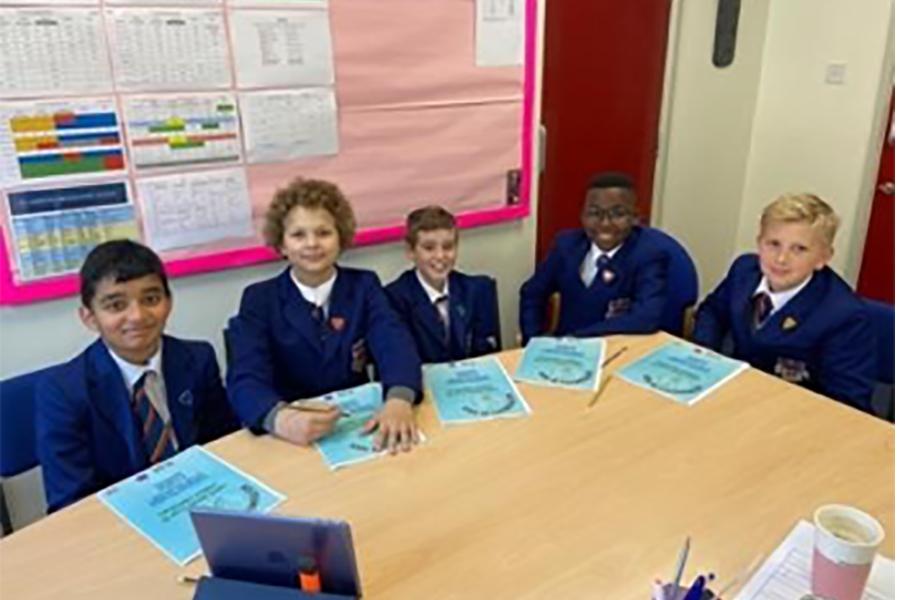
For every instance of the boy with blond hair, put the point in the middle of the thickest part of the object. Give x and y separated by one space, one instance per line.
451 315
788 313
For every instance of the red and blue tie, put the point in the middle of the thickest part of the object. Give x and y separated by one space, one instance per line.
156 434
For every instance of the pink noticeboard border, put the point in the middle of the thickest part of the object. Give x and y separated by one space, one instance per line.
12 293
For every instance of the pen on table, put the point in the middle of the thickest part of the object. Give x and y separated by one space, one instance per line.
188 579
314 408
606 379
679 567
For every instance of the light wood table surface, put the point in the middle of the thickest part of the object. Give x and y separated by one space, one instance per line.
567 503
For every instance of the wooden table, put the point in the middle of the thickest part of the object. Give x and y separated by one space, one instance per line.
569 503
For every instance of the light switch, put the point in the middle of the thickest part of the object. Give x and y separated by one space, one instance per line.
835 73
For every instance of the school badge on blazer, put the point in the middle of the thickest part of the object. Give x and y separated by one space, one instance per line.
617 307
360 356
337 323
792 370
789 323
607 276
186 398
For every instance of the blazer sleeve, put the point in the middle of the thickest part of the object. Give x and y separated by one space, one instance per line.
486 325
712 322
534 294
63 445
391 343
848 368
646 310
251 374
216 418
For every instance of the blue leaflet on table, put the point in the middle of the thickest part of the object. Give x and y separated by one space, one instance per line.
347 444
157 501
681 371
473 390
564 362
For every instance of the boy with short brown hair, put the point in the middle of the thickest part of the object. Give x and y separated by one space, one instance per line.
451 315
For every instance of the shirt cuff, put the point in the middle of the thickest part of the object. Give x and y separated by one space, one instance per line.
269 421
401 392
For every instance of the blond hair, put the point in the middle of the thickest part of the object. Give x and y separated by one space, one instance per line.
310 194
803 208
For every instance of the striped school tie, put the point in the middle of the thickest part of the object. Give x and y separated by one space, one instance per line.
157 436
762 308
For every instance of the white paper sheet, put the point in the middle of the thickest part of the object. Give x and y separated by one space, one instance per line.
182 130
281 126
59 140
195 209
278 48
160 49
786 574
499 33
47 52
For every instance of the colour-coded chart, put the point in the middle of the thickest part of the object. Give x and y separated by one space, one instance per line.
59 139
184 130
54 229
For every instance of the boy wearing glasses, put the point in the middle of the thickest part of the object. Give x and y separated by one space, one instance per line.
610 275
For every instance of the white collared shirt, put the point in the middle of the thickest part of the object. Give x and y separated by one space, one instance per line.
779 299
154 385
435 295
589 264
317 296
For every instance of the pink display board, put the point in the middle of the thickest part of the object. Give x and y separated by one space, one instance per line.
419 123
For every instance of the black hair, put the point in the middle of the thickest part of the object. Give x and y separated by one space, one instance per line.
610 179
121 260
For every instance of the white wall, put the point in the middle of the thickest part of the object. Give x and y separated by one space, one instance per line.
705 131
732 139
809 135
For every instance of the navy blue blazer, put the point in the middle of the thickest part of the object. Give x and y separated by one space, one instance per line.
87 435
630 299
280 353
474 316
821 339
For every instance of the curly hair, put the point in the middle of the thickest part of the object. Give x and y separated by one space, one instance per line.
310 194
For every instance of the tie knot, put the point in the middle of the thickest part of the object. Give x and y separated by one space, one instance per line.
443 299
602 259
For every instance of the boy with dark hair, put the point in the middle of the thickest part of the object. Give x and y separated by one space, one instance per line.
610 274
788 313
451 315
135 396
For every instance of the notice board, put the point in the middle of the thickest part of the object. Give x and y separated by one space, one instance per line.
173 122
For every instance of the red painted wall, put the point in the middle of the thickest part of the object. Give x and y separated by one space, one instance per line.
604 62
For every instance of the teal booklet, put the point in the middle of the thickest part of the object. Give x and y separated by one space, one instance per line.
473 390
681 371
347 444
573 363
157 501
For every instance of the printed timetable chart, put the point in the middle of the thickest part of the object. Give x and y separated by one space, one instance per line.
179 131
166 50
54 229
52 51
49 140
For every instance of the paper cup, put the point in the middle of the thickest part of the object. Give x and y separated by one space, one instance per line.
847 540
